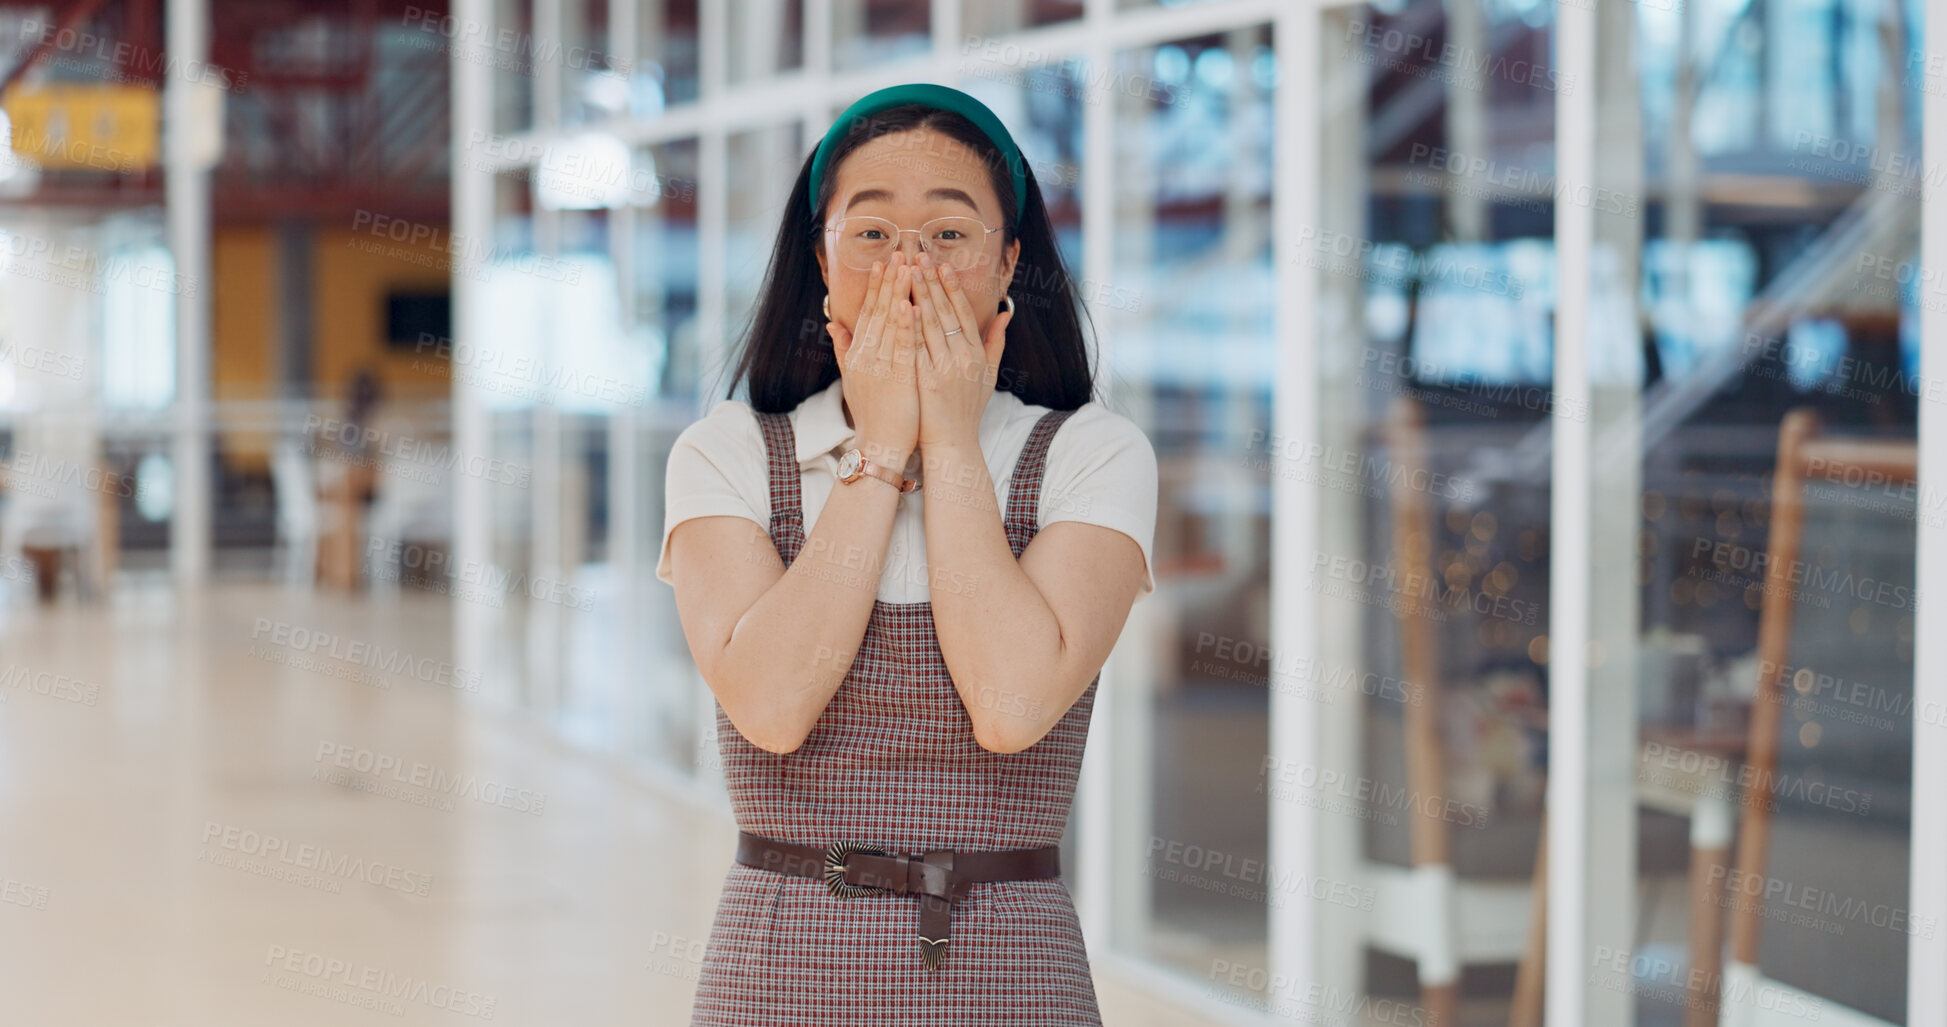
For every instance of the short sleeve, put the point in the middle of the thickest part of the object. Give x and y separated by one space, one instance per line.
1102 470
716 469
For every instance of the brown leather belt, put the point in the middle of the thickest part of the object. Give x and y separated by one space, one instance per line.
940 877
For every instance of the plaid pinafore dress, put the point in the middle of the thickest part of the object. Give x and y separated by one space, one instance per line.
892 763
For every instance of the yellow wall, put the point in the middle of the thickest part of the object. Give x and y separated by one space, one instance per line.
243 332
351 273
243 326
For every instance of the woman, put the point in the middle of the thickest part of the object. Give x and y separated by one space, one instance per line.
903 682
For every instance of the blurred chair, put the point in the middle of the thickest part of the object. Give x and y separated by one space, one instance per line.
342 484
1802 449
1430 913
1438 956
299 514
55 528
413 505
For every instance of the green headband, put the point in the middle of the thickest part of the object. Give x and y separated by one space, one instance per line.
926 94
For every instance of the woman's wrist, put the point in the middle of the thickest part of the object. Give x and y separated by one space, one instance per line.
884 454
950 447
953 466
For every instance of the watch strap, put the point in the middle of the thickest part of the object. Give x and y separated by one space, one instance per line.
886 474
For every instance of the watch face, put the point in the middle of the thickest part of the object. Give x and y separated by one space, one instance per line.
848 465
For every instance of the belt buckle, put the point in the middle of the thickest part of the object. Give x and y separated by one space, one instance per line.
835 882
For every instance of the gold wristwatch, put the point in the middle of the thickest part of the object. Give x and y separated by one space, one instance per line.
852 465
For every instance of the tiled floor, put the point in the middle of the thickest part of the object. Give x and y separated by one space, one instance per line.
198 828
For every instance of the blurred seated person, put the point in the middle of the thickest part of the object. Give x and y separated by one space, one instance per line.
353 442
349 450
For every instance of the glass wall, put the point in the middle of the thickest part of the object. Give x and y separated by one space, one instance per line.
1768 289
664 262
868 32
1526 477
594 74
667 56
1187 305
764 38
984 20
762 166
514 66
1434 251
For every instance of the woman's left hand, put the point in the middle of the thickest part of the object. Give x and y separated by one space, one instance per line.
957 372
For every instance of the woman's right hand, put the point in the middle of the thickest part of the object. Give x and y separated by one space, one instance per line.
877 365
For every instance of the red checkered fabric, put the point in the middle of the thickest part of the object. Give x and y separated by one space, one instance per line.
893 764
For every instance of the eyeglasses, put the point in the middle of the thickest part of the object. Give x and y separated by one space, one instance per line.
956 242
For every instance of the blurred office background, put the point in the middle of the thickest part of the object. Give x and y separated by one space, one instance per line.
1538 391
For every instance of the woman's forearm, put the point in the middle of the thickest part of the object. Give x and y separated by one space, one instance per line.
790 651
999 637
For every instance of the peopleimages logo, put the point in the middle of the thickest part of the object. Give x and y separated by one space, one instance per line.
1670 981
1401 45
1226 873
1520 180
1238 654
18 893
1289 998
583 171
432 246
268 848
413 452
1412 591
519 372
473 580
1739 564
1343 253
1298 781
139 60
511 49
50 684
433 779
49 362
368 986
1693 771
1779 899
1294 452
78 267
359 653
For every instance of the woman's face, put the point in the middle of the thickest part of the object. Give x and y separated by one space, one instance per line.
910 178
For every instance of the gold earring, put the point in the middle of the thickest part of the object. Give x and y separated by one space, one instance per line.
828 306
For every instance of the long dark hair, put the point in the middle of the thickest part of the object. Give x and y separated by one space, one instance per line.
786 353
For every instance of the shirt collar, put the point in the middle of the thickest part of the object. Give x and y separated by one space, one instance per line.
819 425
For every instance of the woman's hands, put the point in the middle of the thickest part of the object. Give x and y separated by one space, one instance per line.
909 377
876 365
956 370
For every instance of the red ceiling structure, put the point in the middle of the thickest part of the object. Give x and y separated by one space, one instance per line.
330 106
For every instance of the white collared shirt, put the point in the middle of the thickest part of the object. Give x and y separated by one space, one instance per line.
1101 469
